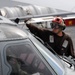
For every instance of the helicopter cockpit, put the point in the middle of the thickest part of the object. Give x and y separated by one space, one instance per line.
22 54
18 53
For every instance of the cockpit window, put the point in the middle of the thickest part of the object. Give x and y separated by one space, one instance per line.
24 60
11 32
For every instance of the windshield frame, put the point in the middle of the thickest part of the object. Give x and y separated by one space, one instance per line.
26 41
49 55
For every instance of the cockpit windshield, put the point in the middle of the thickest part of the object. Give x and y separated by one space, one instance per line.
10 32
24 59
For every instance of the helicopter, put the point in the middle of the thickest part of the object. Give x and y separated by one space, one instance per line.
20 51
22 54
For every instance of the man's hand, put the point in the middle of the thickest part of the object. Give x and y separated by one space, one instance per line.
25 21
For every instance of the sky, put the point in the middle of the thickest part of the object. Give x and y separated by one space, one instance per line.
10 3
68 5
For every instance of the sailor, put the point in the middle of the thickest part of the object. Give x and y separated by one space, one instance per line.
60 42
16 64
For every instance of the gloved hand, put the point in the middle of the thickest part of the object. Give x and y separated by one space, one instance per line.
25 21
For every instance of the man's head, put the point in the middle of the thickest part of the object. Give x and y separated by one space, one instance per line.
57 24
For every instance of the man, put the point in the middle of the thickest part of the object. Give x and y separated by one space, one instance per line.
16 65
57 39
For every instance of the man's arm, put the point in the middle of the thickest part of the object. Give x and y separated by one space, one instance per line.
71 47
35 30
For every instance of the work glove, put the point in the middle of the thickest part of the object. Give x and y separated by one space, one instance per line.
26 20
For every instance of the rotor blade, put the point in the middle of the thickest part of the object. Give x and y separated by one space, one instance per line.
44 15
41 19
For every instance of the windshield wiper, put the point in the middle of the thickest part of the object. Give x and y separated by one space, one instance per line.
68 60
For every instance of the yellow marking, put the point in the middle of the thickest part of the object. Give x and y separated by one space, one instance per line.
70 22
